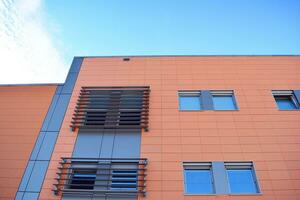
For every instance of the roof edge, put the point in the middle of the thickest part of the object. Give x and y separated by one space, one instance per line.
121 56
32 84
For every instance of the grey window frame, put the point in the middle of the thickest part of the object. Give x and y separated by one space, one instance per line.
190 93
220 179
84 167
289 93
195 166
224 93
243 165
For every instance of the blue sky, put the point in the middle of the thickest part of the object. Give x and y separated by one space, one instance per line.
156 27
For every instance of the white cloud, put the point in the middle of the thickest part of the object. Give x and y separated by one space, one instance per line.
27 50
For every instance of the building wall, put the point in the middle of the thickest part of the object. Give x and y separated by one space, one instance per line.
257 132
22 111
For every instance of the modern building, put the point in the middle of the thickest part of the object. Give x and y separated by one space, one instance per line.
155 128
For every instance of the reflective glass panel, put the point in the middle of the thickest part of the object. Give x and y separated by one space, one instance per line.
241 181
198 181
224 102
285 103
190 103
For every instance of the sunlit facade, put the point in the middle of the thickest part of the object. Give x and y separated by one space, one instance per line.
155 128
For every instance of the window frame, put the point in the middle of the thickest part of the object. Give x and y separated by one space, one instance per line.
219 175
224 93
242 165
198 166
190 93
81 167
286 93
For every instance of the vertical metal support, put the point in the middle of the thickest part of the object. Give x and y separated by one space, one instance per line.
297 95
207 101
220 178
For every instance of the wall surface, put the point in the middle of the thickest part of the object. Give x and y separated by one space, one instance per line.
22 111
257 132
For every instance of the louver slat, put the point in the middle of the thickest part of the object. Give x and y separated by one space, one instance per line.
112 108
118 177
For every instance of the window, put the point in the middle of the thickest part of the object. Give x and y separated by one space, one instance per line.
223 100
105 177
217 177
241 178
189 100
124 180
83 179
285 100
198 178
110 175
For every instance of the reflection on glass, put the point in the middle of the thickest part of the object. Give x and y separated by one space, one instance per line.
198 181
241 181
285 103
224 102
190 103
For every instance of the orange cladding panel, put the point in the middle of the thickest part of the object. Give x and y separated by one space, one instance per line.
22 111
257 132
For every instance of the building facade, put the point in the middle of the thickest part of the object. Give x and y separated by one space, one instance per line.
155 128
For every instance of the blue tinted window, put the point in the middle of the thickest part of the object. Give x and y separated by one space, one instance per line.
198 181
83 179
190 103
124 180
225 102
241 181
285 103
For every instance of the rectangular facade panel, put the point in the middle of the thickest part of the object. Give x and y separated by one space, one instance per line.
127 144
59 89
37 176
107 144
50 112
88 145
37 146
26 176
47 147
76 64
68 86
59 113
19 196
30 196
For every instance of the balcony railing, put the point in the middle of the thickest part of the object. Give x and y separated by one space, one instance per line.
101 177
